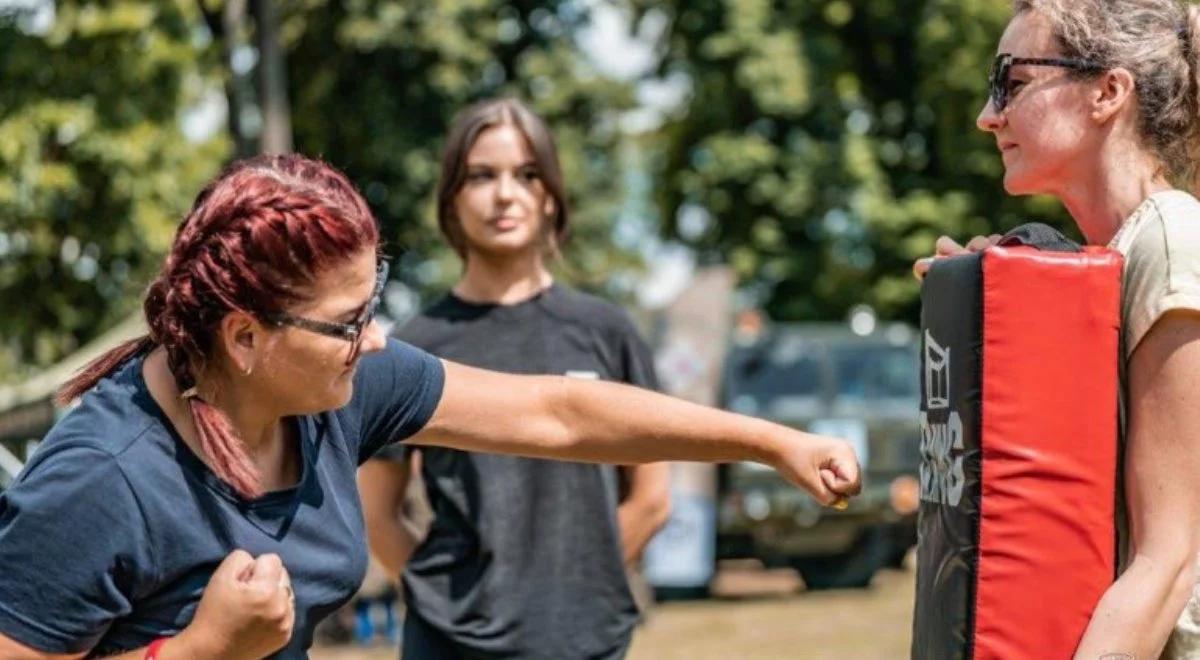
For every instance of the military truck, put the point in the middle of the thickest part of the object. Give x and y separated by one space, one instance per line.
828 379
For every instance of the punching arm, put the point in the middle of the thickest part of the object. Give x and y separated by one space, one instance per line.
571 419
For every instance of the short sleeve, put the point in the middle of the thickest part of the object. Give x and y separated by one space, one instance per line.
636 358
1162 272
74 547
396 392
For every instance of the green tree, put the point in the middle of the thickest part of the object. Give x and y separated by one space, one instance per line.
96 168
831 142
99 171
375 85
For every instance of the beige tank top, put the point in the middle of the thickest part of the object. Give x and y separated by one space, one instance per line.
1161 245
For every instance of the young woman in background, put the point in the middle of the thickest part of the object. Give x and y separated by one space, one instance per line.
524 557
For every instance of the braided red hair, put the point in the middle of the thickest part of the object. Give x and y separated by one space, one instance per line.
255 239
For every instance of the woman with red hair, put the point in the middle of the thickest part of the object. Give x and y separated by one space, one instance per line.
200 501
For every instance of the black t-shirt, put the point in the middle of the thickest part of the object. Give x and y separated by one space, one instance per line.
111 532
523 558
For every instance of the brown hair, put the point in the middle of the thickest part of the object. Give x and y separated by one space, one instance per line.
255 238
1156 41
466 129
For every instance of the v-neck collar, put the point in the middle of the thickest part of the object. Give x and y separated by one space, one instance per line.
306 434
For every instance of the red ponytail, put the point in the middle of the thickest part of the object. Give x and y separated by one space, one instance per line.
101 367
225 451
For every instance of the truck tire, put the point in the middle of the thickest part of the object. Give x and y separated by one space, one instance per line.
851 570
902 537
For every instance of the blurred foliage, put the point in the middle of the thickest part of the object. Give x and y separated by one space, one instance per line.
374 86
96 170
822 144
825 144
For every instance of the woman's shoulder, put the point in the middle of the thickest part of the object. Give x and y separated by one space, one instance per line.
1162 263
103 456
1172 229
111 418
431 325
572 305
72 475
1162 235
396 392
109 440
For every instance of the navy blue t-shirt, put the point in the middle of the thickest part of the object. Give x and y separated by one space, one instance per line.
111 532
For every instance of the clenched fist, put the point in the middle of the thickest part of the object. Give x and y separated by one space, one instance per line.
247 610
825 467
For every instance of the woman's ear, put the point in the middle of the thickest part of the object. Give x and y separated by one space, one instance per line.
242 336
550 207
1114 91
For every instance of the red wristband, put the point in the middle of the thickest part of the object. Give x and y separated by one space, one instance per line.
154 648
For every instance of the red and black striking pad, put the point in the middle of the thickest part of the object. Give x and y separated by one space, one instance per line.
1017 538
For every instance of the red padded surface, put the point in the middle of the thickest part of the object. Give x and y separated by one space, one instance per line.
1049 448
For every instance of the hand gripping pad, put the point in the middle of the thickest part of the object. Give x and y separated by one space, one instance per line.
1019 385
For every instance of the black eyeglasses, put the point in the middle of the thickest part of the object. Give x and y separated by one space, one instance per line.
351 332
998 81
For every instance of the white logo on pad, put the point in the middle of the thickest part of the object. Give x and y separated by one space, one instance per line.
937 374
942 475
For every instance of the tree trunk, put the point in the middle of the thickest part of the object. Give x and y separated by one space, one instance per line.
272 80
233 31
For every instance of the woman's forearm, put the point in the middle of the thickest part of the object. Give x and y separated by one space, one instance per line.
596 421
391 537
391 541
572 419
621 424
645 508
180 647
1137 613
638 524
617 423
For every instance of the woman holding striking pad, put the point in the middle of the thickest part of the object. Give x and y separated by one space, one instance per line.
1096 103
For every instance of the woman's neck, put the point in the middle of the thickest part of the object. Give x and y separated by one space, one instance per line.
503 281
1101 202
265 437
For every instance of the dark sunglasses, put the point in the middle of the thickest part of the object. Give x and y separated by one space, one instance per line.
998 78
351 332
